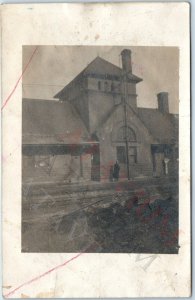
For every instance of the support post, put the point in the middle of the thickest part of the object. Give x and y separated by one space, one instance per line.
125 119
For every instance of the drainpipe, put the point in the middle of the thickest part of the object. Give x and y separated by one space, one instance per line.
166 160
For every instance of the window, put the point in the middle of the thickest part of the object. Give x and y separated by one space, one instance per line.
124 133
132 155
112 87
99 85
121 154
106 86
117 99
167 151
119 88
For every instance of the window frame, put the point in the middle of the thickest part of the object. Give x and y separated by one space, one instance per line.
99 85
130 156
124 161
134 155
106 86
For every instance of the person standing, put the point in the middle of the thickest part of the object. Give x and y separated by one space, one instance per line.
116 171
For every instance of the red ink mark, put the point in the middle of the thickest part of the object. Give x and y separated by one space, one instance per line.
8 98
173 237
133 201
42 275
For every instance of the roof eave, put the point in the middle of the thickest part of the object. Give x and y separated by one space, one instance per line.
57 96
135 79
138 80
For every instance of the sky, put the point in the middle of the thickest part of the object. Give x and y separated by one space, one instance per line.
53 67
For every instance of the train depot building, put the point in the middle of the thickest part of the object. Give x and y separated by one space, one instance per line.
95 121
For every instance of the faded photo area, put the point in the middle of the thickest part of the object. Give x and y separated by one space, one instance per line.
100 149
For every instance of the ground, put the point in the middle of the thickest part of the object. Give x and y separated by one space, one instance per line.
119 227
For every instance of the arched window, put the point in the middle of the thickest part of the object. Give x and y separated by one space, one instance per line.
126 133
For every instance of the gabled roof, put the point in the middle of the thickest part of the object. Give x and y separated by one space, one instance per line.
54 122
163 127
101 67
50 121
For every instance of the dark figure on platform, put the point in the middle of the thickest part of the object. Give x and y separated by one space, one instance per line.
116 171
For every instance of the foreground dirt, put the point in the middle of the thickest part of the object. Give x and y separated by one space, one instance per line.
131 228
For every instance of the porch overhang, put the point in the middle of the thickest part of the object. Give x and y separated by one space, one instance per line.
60 149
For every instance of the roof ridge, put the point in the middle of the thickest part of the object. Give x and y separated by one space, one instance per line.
141 121
118 72
104 60
83 71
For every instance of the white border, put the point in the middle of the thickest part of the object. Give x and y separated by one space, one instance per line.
90 275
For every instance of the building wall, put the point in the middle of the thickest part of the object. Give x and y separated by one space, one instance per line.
94 98
132 101
70 164
74 89
102 98
108 143
69 168
100 104
76 93
81 104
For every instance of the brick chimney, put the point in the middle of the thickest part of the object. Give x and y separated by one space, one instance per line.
163 102
126 60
